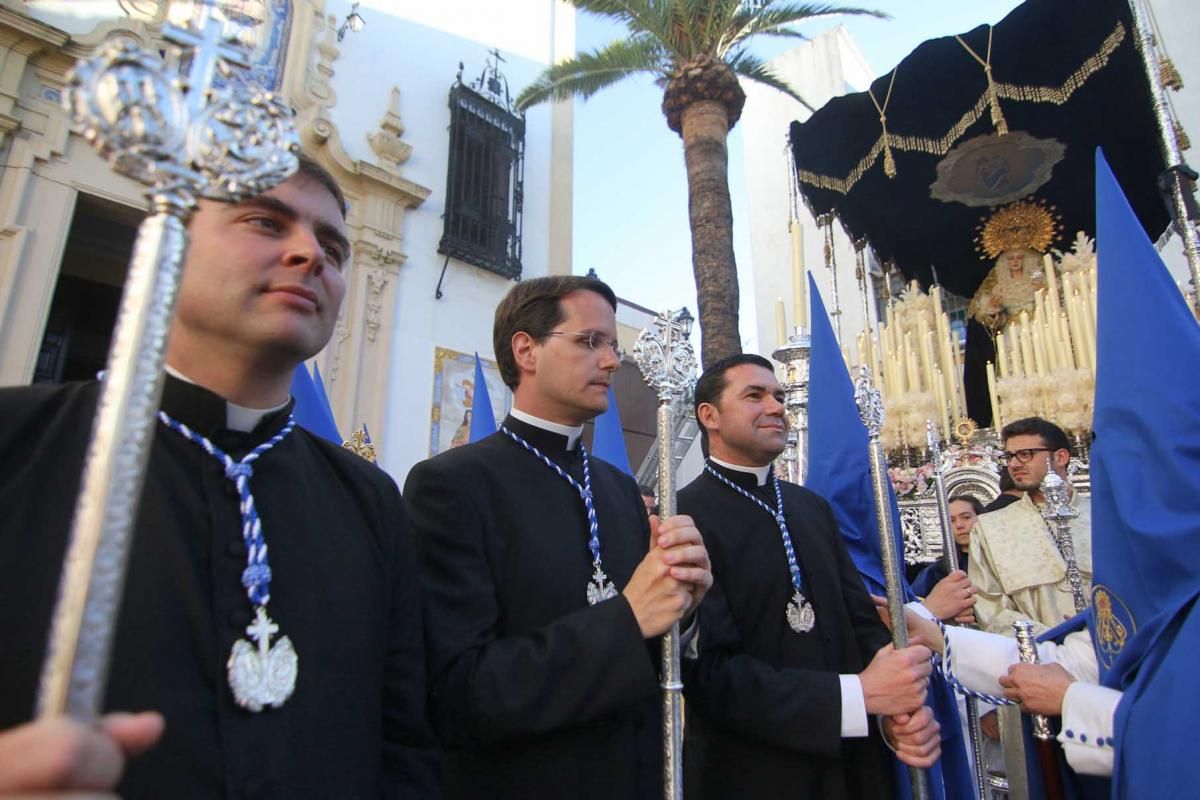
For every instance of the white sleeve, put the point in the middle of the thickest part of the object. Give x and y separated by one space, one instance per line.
854 707
1087 727
979 658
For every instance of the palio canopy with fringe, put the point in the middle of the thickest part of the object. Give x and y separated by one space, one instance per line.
1066 77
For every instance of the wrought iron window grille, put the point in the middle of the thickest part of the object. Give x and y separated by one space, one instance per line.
485 174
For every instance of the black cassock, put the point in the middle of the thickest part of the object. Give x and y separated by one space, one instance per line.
534 693
764 702
344 590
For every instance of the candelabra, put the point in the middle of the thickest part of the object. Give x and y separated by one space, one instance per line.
794 355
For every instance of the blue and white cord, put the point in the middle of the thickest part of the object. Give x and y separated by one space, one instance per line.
777 513
585 491
257 575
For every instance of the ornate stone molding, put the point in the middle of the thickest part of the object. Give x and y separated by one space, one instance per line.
386 141
37 197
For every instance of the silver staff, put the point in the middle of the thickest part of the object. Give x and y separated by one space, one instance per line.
184 139
795 359
1047 750
870 408
664 355
950 563
1058 513
1182 194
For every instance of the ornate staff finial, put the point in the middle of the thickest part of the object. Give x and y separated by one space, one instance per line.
869 402
1058 512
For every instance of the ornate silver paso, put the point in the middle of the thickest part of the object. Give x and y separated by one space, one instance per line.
600 588
262 674
800 614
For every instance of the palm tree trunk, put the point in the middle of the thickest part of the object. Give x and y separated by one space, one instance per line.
704 128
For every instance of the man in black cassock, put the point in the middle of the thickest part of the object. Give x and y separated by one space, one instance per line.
260 293
792 656
540 626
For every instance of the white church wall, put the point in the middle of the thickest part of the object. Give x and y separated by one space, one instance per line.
828 66
420 53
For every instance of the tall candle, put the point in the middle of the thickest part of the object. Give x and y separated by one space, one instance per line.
1001 356
780 322
860 346
1014 347
799 278
1051 283
910 363
1026 346
1039 353
939 393
991 379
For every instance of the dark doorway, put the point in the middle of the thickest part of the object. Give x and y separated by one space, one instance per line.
88 293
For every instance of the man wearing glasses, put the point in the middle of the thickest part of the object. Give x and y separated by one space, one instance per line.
548 586
1014 558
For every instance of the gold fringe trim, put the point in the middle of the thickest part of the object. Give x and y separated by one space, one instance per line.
1181 137
1056 95
1169 75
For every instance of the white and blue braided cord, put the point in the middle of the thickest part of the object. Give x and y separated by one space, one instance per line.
958 685
585 491
776 513
257 575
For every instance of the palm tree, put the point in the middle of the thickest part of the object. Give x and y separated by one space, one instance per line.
696 51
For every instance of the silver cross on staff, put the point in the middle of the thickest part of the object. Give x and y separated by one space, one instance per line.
183 139
668 364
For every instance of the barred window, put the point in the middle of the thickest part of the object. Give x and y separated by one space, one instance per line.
484 191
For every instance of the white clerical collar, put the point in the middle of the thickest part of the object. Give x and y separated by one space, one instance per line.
572 432
237 418
760 473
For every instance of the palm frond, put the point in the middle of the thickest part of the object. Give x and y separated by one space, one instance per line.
588 73
773 18
639 16
755 69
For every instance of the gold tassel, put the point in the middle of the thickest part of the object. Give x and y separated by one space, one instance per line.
889 161
1181 138
1169 75
998 121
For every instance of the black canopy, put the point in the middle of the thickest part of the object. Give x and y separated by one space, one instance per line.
1078 57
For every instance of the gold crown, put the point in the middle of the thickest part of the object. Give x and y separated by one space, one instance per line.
1023 224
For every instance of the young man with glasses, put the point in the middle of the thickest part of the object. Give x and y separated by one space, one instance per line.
547 585
1014 558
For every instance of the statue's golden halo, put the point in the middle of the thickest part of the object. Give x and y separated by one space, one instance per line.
1024 224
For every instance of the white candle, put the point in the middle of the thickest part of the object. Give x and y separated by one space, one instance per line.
799 276
991 379
780 322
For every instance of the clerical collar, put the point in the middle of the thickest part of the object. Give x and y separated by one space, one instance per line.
760 473
237 418
571 433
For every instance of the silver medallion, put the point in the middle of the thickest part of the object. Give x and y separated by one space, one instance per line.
600 588
262 675
800 614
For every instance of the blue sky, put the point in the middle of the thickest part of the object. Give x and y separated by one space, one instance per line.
630 187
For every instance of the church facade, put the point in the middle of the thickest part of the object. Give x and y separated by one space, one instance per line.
375 101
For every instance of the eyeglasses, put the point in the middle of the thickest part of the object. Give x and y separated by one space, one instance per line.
595 340
1023 456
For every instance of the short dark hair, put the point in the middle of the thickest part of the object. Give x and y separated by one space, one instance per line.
712 383
534 306
969 499
322 177
1052 435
